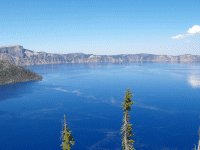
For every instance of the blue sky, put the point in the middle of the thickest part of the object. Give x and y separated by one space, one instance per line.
106 27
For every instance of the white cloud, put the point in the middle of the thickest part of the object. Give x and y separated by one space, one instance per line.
187 41
181 36
192 31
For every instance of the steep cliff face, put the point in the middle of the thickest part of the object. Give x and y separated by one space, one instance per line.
10 73
15 51
20 56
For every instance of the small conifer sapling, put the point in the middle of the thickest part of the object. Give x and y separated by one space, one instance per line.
67 139
126 128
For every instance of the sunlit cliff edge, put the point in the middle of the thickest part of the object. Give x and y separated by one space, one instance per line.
20 56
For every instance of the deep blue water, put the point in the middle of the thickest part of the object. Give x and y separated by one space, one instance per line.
165 115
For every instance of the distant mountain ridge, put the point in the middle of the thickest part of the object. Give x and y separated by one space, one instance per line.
20 56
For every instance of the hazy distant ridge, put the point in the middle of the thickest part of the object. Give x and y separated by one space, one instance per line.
20 56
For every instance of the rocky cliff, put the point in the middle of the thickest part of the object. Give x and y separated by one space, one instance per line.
10 73
20 56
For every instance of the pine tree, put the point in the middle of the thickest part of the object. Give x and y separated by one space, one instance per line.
67 139
198 148
126 129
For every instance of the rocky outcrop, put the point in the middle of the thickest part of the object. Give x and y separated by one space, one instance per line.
20 56
10 73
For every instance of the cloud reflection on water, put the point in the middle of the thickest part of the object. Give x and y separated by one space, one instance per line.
194 81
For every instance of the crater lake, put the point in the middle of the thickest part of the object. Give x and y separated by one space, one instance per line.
164 116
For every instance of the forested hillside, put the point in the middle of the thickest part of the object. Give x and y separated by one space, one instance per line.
10 73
